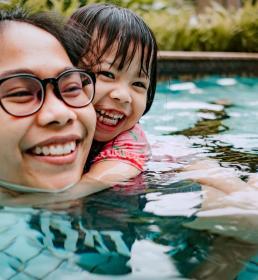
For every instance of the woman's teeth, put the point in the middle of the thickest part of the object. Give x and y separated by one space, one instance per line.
109 118
55 150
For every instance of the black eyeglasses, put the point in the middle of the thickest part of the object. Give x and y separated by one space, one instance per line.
22 95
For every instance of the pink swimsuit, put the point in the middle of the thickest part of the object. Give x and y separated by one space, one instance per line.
130 147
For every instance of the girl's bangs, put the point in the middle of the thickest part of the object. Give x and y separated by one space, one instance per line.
127 42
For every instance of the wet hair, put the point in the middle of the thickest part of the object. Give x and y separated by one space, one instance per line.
72 42
126 29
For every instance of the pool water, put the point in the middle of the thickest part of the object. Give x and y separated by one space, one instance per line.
217 113
147 228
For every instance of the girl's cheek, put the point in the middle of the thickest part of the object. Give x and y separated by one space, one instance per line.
96 99
101 90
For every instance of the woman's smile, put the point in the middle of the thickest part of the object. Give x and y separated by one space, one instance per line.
56 150
57 155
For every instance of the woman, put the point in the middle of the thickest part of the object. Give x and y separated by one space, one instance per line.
47 119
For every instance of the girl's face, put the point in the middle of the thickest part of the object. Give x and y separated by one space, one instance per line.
121 95
49 148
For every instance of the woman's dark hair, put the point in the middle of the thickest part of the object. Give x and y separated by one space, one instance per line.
125 28
52 23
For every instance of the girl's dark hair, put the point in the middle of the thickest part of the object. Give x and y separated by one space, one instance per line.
125 28
72 42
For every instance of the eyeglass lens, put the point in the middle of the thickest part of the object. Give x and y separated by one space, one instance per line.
76 89
21 95
24 95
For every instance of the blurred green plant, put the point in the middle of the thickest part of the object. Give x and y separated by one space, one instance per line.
246 29
217 29
65 7
177 26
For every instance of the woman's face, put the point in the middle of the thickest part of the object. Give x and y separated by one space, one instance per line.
49 148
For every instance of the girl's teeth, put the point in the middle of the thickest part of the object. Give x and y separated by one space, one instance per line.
109 118
55 150
108 121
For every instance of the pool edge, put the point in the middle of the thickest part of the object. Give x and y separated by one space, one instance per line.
183 64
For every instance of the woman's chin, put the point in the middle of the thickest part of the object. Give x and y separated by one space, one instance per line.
51 185
56 184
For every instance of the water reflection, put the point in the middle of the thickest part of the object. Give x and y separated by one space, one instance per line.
142 231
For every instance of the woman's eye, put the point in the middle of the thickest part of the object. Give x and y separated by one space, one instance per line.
19 93
71 90
19 96
107 74
140 84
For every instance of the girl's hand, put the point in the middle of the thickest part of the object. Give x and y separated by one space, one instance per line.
210 173
253 180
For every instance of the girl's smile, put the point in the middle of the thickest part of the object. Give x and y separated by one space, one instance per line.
121 95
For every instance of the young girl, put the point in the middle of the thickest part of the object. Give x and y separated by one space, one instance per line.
123 55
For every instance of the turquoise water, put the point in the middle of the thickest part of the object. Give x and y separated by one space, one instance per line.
217 113
146 229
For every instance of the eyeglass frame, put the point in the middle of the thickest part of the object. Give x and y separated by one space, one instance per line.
54 82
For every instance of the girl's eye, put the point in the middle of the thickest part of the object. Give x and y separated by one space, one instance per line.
140 84
107 74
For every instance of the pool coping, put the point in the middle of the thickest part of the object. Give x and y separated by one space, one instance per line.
183 64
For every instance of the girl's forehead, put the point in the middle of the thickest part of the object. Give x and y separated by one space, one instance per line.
118 51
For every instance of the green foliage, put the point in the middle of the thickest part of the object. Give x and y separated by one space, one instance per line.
177 26
65 7
218 29
246 33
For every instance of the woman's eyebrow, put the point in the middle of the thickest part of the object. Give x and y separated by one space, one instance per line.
66 69
29 71
15 71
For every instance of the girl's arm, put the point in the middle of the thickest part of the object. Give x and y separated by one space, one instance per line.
208 172
112 171
122 158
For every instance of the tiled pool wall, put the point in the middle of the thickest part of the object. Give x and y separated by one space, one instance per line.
188 65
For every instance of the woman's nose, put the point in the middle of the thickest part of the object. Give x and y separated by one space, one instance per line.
54 111
121 93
